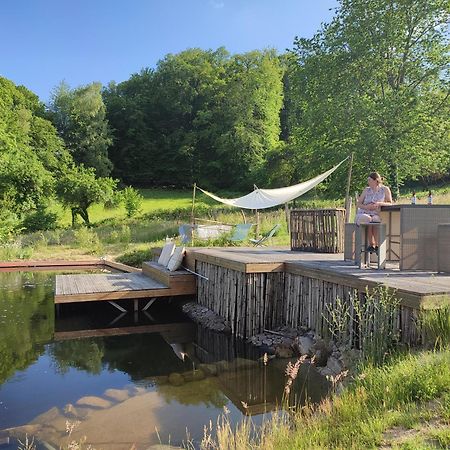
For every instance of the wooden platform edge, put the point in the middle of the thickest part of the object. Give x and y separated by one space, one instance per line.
65 264
125 295
407 298
52 264
245 267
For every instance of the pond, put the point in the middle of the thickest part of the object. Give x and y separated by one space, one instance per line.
123 379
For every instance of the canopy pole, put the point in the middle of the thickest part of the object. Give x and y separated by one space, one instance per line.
257 222
348 199
257 215
286 211
192 213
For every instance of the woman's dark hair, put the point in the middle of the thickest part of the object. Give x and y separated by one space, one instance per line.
376 177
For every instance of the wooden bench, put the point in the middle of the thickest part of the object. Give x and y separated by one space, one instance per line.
180 281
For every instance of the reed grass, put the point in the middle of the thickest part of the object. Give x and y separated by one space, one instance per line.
368 322
436 326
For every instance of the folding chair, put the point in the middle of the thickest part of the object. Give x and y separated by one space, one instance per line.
265 237
240 233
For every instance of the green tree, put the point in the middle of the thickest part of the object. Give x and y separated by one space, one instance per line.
375 81
80 118
78 188
200 116
30 151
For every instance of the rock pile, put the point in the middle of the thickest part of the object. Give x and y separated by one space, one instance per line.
285 342
206 317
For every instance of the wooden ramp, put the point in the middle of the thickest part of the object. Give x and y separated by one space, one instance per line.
153 281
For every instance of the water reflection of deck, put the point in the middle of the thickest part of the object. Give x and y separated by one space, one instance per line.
172 332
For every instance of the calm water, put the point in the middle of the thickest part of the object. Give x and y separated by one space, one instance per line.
120 390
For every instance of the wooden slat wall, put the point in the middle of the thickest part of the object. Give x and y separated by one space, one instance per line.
318 230
253 302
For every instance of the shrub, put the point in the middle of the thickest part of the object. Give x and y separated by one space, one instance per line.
88 239
132 201
40 220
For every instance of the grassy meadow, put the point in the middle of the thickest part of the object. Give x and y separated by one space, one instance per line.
114 236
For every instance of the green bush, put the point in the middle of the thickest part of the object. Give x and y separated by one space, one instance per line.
88 240
132 201
9 225
40 220
135 258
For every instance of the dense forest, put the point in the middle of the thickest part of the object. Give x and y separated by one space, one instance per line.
373 82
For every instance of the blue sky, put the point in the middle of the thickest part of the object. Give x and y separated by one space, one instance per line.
80 41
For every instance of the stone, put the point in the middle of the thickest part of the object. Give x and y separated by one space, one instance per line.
321 351
283 352
267 349
194 375
303 345
94 402
325 371
222 366
176 379
208 369
119 395
160 380
334 365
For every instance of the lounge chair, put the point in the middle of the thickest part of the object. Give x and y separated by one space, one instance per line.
265 237
240 233
185 232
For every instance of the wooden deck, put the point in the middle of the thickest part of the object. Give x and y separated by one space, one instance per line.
417 289
106 287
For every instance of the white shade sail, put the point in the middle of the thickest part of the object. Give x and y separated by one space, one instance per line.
266 198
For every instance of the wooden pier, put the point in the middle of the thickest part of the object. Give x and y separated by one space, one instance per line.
261 288
153 281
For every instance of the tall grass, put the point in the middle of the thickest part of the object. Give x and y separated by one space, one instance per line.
436 326
397 394
369 322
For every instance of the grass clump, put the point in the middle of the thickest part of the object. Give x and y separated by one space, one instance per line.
436 326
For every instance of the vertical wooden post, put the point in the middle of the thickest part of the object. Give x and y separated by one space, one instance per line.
257 223
348 203
192 214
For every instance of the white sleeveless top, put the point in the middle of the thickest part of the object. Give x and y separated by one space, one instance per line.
372 197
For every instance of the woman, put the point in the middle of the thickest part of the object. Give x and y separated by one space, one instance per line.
369 203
